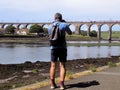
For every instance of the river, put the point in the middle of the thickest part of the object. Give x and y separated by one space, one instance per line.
19 53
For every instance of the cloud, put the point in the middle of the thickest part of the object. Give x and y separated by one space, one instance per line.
23 5
65 5
71 9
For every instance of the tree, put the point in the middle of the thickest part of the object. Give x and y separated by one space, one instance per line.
10 29
93 33
45 30
36 29
84 33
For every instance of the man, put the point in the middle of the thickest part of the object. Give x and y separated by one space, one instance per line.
59 52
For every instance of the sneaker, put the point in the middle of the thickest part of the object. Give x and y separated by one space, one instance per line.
53 86
62 87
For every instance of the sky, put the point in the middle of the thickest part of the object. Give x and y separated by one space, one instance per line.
72 10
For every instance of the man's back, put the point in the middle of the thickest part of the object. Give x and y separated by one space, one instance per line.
63 27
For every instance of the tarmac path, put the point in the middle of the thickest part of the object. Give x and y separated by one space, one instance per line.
108 79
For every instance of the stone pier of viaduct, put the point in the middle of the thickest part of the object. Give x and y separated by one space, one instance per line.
77 25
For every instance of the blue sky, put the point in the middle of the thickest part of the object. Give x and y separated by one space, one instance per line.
72 10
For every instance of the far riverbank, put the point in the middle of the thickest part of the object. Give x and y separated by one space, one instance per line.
37 39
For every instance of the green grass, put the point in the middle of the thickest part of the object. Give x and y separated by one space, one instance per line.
104 35
69 75
112 64
115 34
75 37
93 68
35 71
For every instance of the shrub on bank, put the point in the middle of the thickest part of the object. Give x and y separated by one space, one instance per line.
111 64
93 68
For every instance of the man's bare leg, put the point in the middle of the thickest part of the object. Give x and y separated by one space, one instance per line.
52 73
62 74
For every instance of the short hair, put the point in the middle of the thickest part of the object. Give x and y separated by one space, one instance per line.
58 16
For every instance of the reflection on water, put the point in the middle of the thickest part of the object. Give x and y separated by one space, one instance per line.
19 53
91 41
93 52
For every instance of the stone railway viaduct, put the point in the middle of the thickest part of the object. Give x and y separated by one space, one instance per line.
77 25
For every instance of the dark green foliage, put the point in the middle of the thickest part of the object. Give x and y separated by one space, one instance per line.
93 68
112 64
93 33
45 30
10 29
84 33
36 29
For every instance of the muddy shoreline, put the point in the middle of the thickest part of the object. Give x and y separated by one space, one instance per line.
16 75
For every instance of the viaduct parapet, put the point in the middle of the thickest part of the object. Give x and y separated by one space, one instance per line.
77 25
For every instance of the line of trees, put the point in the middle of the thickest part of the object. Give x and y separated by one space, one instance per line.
39 30
93 33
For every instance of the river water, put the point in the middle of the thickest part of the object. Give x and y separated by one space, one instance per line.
19 53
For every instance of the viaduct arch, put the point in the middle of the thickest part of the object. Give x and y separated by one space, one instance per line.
77 25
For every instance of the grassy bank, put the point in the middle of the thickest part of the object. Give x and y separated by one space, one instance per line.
115 34
81 38
39 40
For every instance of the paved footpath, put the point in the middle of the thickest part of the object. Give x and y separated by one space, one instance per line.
108 79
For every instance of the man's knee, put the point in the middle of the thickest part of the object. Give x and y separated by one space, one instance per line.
62 65
53 64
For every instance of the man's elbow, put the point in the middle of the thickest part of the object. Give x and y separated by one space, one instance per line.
70 33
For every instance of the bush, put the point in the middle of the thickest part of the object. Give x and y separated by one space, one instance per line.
93 33
84 33
69 75
10 29
111 64
36 29
93 68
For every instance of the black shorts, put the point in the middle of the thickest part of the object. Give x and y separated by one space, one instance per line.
59 53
